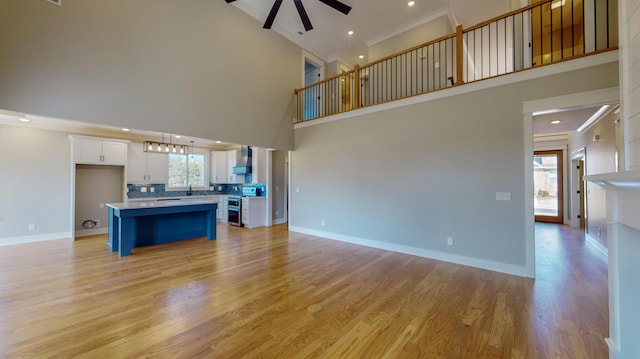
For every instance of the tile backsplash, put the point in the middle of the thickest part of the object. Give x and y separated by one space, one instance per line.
159 190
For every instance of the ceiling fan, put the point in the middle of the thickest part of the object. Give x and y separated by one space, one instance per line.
343 8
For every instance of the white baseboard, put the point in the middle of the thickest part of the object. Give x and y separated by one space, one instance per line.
36 238
520 271
597 245
279 221
91 232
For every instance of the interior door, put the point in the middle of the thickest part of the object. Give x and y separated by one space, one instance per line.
548 184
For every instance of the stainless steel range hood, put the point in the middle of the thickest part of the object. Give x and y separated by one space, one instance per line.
243 166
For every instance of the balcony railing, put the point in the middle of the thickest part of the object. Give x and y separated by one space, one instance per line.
540 34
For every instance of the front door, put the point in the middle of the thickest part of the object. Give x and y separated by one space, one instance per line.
547 184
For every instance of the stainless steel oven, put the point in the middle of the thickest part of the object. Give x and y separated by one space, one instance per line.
234 205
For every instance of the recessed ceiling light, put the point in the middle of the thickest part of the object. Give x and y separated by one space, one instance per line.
22 119
218 141
125 129
177 136
350 32
411 3
555 122
361 57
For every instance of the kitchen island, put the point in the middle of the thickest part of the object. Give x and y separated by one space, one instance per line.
136 224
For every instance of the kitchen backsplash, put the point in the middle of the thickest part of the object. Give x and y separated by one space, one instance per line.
136 190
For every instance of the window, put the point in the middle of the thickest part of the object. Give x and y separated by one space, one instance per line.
187 170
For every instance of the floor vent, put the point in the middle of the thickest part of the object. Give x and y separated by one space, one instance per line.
57 2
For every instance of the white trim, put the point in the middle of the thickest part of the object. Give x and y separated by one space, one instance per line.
529 214
279 221
320 63
613 349
572 65
91 232
596 245
35 238
589 98
420 252
443 11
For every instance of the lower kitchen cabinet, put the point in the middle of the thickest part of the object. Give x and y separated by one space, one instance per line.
223 214
254 211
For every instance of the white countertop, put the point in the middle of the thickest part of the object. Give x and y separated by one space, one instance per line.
162 203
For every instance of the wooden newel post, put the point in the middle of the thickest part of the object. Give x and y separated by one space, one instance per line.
459 56
356 90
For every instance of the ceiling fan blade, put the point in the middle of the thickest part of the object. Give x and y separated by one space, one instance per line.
272 14
228 1
303 15
342 7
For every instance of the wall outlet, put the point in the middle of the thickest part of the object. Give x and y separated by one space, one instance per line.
503 196
276 188
143 189
277 213
297 189
32 226
219 188
323 223
152 189
101 205
449 241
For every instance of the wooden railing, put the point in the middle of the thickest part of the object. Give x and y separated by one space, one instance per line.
540 34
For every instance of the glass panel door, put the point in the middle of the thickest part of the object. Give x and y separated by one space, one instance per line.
547 185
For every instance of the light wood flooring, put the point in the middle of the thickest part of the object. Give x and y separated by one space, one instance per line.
269 293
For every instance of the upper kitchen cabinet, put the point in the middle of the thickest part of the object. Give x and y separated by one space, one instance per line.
259 165
145 167
99 151
219 167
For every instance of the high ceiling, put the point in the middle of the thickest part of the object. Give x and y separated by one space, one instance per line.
371 20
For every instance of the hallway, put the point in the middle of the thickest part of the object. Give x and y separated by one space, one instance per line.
571 283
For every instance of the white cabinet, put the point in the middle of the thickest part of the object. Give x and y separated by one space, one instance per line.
232 159
222 215
259 164
99 151
254 211
146 166
219 167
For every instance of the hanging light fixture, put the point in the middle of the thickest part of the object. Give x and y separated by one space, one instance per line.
163 147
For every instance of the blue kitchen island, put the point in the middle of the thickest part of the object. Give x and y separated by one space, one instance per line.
136 224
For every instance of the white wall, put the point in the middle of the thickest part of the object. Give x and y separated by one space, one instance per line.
34 184
170 66
432 30
600 158
410 177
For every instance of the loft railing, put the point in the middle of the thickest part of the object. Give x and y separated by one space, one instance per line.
540 34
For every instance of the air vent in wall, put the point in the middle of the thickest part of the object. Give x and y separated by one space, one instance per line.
57 2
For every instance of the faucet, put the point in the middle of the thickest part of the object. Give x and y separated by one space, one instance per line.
190 191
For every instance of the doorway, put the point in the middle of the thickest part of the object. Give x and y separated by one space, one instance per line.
547 186
312 98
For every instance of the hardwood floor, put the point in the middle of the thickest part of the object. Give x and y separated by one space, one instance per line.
268 293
